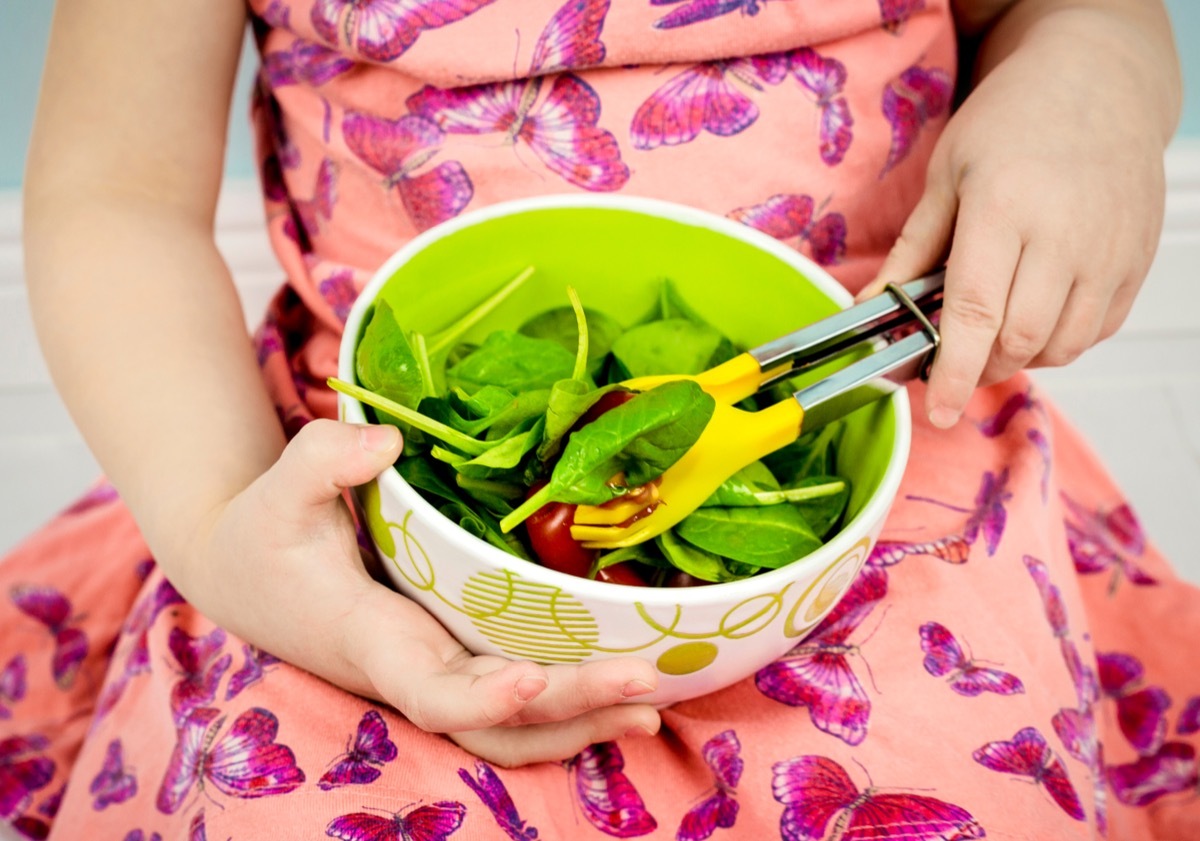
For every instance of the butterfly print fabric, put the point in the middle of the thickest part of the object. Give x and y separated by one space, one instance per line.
1012 659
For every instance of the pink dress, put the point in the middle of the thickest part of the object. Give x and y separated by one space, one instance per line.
1015 661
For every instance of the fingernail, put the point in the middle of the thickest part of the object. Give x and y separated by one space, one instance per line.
637 732
942 417
528 688
378 439
636 687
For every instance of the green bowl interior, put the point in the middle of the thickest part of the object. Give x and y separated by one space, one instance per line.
616 259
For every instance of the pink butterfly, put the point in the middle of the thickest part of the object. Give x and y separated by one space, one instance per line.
244 762
137 660
1101 540
1042 444
1052 601
1169 770
433 822
113 784
1076 729
51 608
1028 755
197 830
101 494
915 98
22 772
895 13
697 11
988 516
256 663
396 149
1087 685
203 665
1189 717
998 423
816 673
608 799
307 64
1141 711
813 789
952 549
304 221
825 78
784 216
371 748
12 684
381 30
572 37
339 292
703 98
492 791
722 753
944 656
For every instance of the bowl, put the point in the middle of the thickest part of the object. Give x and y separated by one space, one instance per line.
615 251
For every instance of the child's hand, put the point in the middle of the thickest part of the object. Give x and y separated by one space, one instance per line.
1046 191
279 566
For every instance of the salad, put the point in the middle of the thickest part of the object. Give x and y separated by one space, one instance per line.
507 436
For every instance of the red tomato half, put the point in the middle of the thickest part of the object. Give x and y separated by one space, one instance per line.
549 531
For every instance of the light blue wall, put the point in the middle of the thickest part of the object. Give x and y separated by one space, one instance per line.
25 24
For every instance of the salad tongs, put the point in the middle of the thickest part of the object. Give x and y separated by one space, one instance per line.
896 330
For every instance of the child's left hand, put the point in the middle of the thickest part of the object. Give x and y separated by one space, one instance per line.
1046 191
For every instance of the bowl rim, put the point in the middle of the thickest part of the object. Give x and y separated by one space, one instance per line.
875 510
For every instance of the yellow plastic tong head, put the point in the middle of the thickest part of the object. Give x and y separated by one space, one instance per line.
735 438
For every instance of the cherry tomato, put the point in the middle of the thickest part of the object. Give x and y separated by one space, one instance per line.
607 403
549 532
679 578
623 573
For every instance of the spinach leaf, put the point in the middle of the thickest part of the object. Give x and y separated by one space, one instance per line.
385 362
444 340
424 477
491 410
640 439
514 362
499 460
569 401
812 454
674 346
694 561
496 496
482 525
824 510
768 536
560 325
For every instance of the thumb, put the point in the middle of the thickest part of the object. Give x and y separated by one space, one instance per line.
923 242
327 457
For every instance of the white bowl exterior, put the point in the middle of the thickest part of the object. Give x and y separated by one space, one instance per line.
700 638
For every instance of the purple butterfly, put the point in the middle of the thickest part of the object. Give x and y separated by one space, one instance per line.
371 747
137 660
22 772
304 219
1141 711
825 79
944 656
197 830
396 149
244 762
1042 444
1028 755
256 663
202 664
51 608
50 806
1189 717
138 835
996 425
101 494
308 64
813 789
1052 601
704 98
723 754
12 684
816 673
787 215
381 30
572 37
895 13
433 822
953 549
697 11
339 292
1169 770
609 801
988 516
916 97
1087 685
113 784
1076 730
1101 540
491 790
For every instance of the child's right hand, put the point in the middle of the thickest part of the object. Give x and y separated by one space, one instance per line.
279 565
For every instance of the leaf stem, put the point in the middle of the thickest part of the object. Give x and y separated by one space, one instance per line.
442 341
525 509
581 352
440 431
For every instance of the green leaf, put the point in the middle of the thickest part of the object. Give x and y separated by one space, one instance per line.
561 325
513 362
385 362
505 456
675 346
769 536
483 526
422 475
694 561
444 340
569 401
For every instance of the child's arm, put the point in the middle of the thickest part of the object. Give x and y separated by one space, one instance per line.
1046 189
143 332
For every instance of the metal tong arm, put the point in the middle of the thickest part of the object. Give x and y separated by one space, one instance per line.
901 358
828 338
